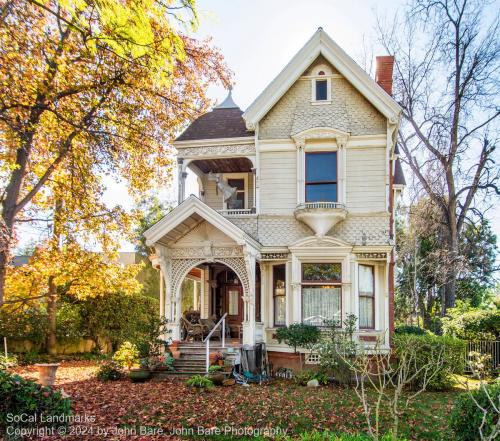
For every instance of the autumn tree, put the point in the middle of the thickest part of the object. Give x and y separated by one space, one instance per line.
446 81
89 89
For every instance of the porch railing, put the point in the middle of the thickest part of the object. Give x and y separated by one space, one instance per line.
221 322
236 211
316 205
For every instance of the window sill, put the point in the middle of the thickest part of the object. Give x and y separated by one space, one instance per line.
319 103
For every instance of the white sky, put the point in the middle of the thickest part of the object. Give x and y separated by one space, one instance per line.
258 38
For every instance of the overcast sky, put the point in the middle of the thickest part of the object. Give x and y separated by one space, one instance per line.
259 37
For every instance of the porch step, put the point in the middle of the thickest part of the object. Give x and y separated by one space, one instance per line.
192 358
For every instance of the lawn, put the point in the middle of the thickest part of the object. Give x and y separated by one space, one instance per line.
122 408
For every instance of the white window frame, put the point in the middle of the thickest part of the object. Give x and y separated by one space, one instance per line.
243 176
314 148
315 77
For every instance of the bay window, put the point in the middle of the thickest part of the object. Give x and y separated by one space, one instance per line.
321 177
366 291
321 293
279 295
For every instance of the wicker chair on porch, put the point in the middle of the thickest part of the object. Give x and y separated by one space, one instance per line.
209 324
194 331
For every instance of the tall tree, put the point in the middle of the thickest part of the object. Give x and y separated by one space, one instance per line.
93 88
446 81
422 264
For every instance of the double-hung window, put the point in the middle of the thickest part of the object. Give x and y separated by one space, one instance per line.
321 293
279 294
238 201
366 290
321 177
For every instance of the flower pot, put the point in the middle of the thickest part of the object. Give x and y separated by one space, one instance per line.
139 375
217 378
47 373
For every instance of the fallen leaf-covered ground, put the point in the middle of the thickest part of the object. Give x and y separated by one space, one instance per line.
168 409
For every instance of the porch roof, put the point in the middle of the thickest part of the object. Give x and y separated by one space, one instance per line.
186 216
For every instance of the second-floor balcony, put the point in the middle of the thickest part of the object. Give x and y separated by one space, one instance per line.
225 184
320 216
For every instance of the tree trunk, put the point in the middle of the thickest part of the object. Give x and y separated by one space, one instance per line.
451 272
52 312
52 293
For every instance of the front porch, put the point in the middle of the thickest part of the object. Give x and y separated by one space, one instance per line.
196 243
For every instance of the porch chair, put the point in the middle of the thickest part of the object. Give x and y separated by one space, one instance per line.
194 331
209 324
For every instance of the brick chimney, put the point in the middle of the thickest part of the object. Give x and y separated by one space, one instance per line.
383 72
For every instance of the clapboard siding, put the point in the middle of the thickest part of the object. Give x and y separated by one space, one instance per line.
278 182
214 199
365 173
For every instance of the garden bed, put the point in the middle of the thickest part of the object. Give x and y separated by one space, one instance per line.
168 404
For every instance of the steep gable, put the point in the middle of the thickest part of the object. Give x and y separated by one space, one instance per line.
322 45
348 109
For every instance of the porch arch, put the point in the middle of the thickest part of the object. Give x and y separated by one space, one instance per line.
181 267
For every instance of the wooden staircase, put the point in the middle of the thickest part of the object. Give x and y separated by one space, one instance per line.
192 359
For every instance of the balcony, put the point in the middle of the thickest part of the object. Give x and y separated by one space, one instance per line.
237 212
321 217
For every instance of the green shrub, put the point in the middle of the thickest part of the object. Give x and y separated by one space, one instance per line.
214 368
298 335
409 330
109 370
427 346
466 417
472 323
127 355
30 324
200 382
19 396
338 348
306 375
8 361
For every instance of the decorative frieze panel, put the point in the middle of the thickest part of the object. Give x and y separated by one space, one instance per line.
217 150
372 256
207 251
274 256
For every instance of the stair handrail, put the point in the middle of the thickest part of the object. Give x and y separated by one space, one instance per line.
207 338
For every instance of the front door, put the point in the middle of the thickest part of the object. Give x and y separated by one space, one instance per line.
233 305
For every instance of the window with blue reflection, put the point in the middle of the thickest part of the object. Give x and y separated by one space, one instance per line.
321 177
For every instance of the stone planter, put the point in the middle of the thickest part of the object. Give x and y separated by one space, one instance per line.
139 375
217 378
47 373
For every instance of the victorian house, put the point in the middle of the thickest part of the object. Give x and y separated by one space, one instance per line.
294 220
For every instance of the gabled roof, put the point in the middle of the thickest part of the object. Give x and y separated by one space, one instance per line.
224 121
186 216
321 43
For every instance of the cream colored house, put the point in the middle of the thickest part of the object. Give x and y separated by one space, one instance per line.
294 217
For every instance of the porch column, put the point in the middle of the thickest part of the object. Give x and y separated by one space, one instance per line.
195 295
181 165
254 176
249 303
162 296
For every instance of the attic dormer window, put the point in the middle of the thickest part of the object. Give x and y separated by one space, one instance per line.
321 86
321 90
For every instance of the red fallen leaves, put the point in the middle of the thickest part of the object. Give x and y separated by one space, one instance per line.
170 405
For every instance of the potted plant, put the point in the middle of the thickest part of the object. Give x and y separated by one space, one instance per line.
217 358
216 374
139 375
